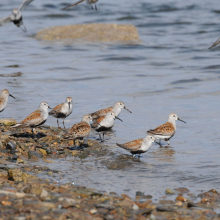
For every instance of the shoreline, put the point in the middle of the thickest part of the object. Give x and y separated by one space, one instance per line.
25 196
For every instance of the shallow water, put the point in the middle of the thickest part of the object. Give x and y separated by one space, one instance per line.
172 70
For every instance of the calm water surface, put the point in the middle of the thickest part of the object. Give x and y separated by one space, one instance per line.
170 71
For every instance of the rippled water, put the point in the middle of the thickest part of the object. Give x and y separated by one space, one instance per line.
172 70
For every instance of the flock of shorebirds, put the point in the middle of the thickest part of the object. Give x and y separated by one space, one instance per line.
100 121
16 15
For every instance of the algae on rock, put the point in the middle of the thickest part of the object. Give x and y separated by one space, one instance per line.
91 33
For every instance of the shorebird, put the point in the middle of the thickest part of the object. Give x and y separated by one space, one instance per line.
215 44
4 99
36 118
63 110
16 16
138 146
167 130
104 123
89 2
118 106
79 130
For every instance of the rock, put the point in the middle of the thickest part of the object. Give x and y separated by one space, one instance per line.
1 145
10 145
91 33
104 205
143 211
34 154
44 194
15 174
161 208
3 174
35 190
169 191
182 190
8 121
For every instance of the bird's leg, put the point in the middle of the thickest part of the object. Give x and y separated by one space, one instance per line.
92 7
100 137
33 132
33 129
58 123
103 136
63 124
95 7
168 142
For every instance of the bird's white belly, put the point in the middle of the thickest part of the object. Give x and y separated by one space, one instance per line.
162 137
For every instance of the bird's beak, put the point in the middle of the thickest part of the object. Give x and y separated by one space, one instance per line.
24 28
11 96
49 107
127 109
118 118
181 120
69 104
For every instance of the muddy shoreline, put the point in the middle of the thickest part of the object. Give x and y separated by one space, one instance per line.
25 196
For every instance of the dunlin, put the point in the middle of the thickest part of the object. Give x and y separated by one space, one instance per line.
16 16
63 110
167 130
104 123
138 146
4 99
36 118
79 130
215 44
118 106
89 2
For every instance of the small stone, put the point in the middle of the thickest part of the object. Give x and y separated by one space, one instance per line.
181 199
43 151
34 154
178 203
15 174
10 146
182 190
6 203
3 174
169 191
93 211
213 191
8 121
44 194
135 207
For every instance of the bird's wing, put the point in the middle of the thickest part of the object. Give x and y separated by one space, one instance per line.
216 43
34 115
24 4
166 129
4 21
101 112
81 129
132 145
55 110
97 122
70 6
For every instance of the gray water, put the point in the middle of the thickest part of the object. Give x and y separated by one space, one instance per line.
171 70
